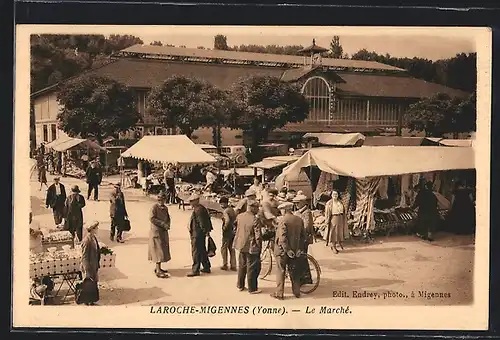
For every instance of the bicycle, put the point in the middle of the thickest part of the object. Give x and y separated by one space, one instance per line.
266 258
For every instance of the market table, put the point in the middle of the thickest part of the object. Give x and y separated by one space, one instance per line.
210 204
64 265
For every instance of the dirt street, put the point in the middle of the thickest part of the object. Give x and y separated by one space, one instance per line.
397 264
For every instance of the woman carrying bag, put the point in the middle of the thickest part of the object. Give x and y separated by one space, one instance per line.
118 214
87 292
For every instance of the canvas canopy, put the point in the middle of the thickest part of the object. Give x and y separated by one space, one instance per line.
66 143
399 141
371 161
337 139
168 149
274 162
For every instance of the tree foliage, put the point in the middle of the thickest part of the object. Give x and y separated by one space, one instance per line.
220 42
57 57
96 106
442 114
188 103
264 103
156 43
458 72
336 50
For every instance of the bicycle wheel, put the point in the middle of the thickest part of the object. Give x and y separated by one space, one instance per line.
266 261
312 283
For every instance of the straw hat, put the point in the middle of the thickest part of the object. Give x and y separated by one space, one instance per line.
92 225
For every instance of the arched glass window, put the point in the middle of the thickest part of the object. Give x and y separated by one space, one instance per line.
317 92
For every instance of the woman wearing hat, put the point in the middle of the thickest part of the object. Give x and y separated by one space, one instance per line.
73 212
159 244
117 212
337 223
91 255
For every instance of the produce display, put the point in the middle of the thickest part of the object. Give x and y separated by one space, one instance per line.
64 261
57 237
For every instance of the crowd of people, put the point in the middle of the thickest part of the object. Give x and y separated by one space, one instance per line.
283 218
259 215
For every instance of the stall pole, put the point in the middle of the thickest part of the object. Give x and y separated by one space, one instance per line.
234 177
120 164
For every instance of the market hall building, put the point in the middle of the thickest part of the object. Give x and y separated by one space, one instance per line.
344 95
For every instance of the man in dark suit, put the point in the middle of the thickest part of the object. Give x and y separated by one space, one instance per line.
94 178
248 241
289 247
200 227
56 196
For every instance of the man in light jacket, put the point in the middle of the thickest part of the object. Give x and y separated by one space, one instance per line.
248 241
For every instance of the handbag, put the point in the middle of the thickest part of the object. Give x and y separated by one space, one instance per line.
211 247
87 291
126 224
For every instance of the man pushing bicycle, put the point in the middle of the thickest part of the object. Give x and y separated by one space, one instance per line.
289 248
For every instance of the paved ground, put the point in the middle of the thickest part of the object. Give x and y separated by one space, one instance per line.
399 264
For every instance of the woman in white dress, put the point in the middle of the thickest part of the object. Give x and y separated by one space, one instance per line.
335 216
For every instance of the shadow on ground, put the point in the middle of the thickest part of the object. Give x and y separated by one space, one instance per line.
370 250
123 296
339 264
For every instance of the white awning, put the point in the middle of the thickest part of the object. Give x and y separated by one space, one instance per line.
370 161
168 149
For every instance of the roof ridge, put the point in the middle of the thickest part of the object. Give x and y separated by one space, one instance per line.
190 49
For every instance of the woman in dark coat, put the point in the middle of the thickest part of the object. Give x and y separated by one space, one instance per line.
159 245
73 212
428 214
91 256
118 213
462 216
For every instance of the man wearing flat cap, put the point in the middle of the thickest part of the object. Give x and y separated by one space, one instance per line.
56 196
248 241
251 195
305 214
289 246
117 212
200 227
73 212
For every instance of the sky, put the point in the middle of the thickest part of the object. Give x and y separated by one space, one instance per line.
424 44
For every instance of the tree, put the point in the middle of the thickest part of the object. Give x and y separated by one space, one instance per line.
55 57
156 43
187 103
441 114
220 42
264 103
96 106
336 50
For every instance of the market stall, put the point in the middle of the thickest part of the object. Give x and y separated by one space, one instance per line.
72 148
60 262
171 149
362 174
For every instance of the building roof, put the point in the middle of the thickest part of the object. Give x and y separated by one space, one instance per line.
313 48
147 73
261 59
150 73
374 85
